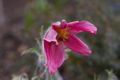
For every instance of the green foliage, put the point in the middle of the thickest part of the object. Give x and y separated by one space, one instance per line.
40 5
29 21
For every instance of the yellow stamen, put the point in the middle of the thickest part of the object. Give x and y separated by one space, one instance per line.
62 33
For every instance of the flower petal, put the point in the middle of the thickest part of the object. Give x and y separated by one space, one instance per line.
56 24
63 23
60 25
54 55
77 45
50 35
80 26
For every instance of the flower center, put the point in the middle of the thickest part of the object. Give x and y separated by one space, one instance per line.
62 33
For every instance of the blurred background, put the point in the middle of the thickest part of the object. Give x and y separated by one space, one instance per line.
20 25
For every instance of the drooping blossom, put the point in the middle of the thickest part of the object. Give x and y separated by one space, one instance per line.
61 34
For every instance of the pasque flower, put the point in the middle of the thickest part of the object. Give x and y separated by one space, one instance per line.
61 34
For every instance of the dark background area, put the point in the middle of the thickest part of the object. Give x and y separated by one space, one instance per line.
20 25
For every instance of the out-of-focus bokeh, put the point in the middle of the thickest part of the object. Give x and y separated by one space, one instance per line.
20 25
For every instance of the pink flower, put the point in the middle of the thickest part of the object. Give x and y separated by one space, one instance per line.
64 33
